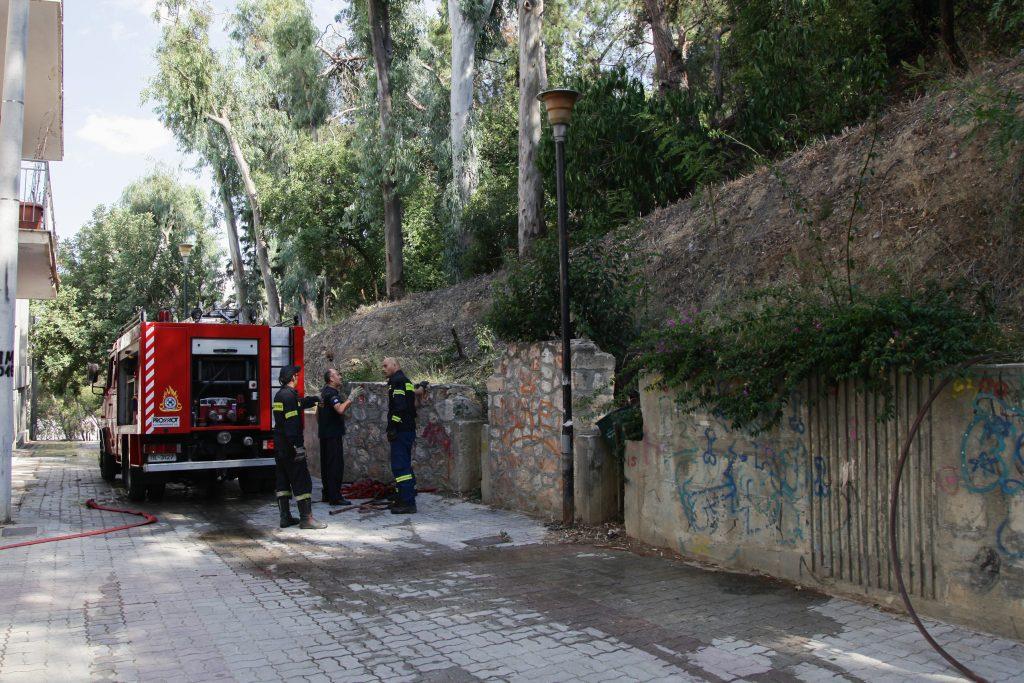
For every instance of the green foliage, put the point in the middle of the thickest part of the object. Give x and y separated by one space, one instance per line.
1007 16
804 68
491 216
628 153
744 364
125 259
998 110
70 417
315 207
604 296
279 40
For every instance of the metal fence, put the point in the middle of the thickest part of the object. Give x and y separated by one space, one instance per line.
36 196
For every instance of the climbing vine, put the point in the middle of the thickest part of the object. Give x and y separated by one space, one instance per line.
744 364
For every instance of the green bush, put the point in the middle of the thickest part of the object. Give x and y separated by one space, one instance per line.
805 68
628 153
492 220
604 296
744 365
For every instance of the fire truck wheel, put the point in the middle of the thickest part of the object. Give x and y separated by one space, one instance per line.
108 467
135 482
155 492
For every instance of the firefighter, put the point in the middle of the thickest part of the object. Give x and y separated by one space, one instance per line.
331 430
292 472
401 433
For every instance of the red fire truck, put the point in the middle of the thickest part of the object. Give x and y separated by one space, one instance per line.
191 401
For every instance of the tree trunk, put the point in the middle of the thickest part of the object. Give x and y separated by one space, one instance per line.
380 39
465 170
310 315
273 299
947 27
533 79
716 67
234 247
669 67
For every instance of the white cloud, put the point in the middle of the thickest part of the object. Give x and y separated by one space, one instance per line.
124 134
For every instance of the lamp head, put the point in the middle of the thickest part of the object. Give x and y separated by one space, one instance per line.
559 103
185 249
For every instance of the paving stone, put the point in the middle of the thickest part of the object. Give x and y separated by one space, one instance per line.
215 591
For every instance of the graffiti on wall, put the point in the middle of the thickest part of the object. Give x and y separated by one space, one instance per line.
991 461
753 485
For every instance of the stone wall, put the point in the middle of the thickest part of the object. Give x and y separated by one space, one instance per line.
521 465
809 501
447 450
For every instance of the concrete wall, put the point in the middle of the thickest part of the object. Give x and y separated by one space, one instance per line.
447 450
521 465
809 500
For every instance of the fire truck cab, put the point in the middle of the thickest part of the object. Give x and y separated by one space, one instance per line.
191 401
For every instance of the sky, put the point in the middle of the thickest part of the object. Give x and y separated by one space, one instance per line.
111 137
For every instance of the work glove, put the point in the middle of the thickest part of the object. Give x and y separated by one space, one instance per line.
300 453
356 393
422 385
392 433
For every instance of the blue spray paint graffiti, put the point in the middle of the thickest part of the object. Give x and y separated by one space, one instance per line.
990 446
749 485
991 459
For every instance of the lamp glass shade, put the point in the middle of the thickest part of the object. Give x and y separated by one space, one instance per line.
559 104
185 249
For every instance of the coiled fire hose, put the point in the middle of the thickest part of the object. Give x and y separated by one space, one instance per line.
894 552
91 503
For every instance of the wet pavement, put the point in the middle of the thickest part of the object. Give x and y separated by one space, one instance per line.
215 591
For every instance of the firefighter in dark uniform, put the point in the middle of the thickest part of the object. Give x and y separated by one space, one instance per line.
292 473
401 433
331 430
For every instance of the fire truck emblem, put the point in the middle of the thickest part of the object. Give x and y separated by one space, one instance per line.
170 403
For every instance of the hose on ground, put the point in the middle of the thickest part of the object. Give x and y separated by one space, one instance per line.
893 502
91 503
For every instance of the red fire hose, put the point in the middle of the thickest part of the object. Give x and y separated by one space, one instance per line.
147 519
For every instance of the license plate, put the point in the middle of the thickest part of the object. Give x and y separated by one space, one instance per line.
162 457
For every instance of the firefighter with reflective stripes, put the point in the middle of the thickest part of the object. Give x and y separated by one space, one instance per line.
292 471
401 432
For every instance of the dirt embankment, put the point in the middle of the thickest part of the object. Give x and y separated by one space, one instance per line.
417 329
936 204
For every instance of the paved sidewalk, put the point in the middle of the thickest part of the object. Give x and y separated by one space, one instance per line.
215 591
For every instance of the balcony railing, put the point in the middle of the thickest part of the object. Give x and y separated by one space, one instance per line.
36 212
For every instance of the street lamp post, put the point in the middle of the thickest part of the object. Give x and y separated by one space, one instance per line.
559 104
185 250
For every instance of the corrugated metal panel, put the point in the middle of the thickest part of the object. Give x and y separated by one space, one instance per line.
849 527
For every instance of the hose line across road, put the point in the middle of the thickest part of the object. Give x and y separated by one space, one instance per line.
91 503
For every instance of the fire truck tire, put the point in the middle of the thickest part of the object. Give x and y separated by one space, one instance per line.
108 467
135 483
155 492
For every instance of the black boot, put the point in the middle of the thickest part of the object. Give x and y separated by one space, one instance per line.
404 508
284 505
306 515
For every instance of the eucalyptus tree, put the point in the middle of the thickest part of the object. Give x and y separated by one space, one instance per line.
193 88
466 19
124 259
533 78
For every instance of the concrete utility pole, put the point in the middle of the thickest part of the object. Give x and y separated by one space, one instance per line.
12 122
